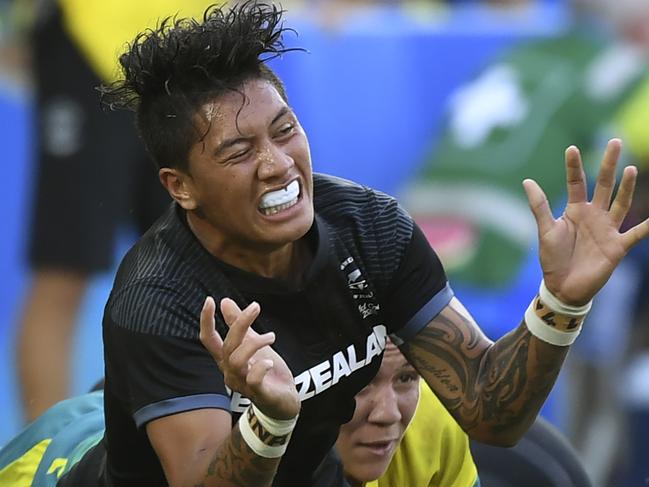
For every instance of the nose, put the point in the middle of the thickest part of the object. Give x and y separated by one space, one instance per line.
384 406
274 162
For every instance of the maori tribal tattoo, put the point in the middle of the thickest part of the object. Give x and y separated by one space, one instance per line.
490 388
235 464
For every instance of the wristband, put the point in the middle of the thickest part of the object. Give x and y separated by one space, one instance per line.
266 436
556 319
545 330
552 302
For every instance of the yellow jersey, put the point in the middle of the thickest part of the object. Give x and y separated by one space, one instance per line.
434 451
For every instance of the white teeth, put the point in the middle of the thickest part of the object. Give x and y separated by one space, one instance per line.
276 200
276 209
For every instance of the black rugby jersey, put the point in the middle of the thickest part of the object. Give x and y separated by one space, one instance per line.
373 275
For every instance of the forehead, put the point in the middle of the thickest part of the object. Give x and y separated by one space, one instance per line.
256 103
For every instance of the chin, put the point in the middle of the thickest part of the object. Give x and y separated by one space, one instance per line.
284 229
287 235
304 224
298 228
368 474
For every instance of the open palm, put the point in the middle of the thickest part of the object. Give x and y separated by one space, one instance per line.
580 249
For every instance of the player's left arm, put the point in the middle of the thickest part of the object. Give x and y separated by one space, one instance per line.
495 390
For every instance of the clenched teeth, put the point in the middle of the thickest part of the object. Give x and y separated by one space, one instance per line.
281 196
276 209
275 201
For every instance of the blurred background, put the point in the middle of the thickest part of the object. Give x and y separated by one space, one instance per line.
447 105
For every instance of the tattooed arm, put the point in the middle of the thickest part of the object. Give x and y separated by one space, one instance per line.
494 390
200 448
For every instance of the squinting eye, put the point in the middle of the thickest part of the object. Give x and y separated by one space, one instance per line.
238 155
286 129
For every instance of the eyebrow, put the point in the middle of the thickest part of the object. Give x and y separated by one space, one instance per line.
226 144
407 366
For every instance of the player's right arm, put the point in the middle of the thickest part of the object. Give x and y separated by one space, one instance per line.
200 448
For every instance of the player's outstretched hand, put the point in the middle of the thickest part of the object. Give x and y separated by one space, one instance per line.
249 364
580 249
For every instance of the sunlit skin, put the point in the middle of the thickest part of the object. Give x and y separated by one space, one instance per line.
384 408
249 150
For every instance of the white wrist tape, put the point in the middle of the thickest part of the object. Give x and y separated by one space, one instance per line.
266 436
552 302
541 330
555 322
277 427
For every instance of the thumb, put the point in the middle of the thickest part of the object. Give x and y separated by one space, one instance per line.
539 205
209 337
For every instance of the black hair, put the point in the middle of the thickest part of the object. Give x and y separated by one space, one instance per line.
171 71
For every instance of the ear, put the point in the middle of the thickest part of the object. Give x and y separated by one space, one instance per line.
179 186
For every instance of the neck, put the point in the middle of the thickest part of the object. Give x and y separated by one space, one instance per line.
287 261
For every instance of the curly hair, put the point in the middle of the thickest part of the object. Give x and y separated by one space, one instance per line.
171 71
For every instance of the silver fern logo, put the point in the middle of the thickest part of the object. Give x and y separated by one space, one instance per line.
359 288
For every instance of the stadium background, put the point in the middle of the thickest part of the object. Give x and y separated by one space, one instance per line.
370 93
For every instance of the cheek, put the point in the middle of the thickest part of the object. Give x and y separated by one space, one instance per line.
230 189
299 151
408 406
349 432
343 445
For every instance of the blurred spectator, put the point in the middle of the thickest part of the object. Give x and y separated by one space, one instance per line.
91 173
506 124
634 386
